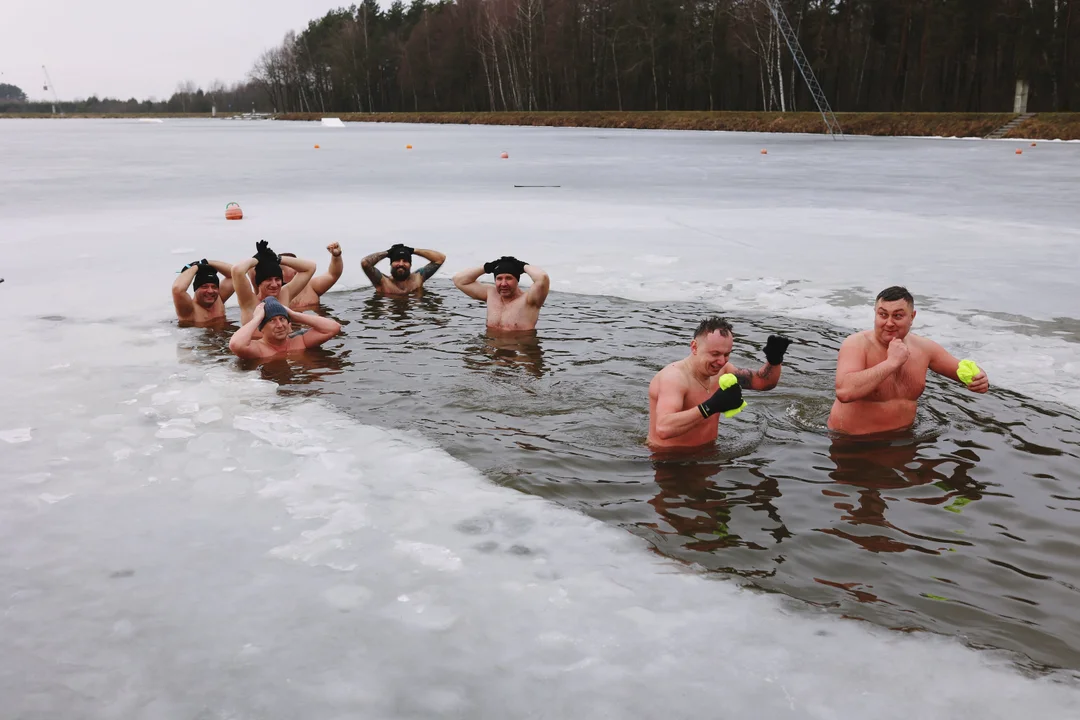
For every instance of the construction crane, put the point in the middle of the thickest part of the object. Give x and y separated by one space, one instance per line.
832 125
49 86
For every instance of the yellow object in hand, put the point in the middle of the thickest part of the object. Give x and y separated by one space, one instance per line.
967 371
725 381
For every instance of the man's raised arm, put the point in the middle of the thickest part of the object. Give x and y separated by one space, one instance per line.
225 290
324 282
435 261
541 284
245 295
768 375
322 328
241 342
854 381
304 270
466 282
185 307
368 266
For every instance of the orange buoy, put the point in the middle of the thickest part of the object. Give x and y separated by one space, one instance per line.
233 212
505 156
316 147
1032 144
1019 151
408 147
764 151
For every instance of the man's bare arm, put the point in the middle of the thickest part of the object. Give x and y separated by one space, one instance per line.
854 381
671 420
304 270
323 283
241 343
541 284
466 282
945 364
322 328
765 378
435 261
185 306
245 295
368 266
226 289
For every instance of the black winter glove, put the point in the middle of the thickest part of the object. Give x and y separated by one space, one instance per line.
728 399
775 349
262 249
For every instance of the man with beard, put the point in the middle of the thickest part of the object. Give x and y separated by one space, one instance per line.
687 397
402 280
269 280
274 321
210 292
881 373
509 308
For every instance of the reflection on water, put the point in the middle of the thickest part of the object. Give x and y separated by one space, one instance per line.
962 525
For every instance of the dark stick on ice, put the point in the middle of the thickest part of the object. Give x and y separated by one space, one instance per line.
537 186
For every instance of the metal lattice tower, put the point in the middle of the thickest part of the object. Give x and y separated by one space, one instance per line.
792 40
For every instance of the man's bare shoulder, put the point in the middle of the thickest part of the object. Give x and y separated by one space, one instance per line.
856 342
671 376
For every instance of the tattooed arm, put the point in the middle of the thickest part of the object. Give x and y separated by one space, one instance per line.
436 259
764 379
368 265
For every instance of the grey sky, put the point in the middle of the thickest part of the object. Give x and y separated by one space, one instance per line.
124 48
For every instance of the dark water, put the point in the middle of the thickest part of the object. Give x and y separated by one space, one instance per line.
965 525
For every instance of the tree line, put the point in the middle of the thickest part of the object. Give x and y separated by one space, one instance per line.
520 55
187 98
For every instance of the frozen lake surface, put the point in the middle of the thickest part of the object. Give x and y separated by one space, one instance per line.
183 536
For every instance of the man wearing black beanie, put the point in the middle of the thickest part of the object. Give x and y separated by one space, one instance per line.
210 292
269 281
509 308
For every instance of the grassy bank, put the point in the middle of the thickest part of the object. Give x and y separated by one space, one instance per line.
1064 126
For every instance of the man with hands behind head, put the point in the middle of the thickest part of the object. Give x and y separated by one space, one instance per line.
402 280
273 320
210 291
269 280
509 308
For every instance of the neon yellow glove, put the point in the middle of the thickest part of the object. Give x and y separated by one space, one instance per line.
967 371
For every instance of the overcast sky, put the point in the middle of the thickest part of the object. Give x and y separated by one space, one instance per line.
123 48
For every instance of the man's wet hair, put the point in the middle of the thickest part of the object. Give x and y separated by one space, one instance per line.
714 324
894 293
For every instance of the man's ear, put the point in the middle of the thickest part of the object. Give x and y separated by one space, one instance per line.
693 346
913 311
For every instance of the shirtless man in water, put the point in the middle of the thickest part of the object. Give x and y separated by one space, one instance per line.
269 280
509 308
319 285
881 373
685 401
402 280
274 321
210 292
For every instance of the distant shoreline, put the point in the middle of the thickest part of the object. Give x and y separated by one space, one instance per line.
1045 126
